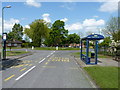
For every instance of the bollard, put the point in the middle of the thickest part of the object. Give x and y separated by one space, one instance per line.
56 47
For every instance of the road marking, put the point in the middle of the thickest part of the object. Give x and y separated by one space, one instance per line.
30 65
42 60
9 78
64 60
46 63
49 66
23 69
25 73
48 55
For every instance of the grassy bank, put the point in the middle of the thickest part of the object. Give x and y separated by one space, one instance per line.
105 77
14 53
77 54
53 48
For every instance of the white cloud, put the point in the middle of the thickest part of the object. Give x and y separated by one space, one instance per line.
8 24
33 3
26 26
64 19
46 17
74 26
88 25
109 7
93 22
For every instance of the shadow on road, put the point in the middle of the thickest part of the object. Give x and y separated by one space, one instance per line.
9 63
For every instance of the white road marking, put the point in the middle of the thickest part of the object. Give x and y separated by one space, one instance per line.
31 68
25 73
51 54
42 60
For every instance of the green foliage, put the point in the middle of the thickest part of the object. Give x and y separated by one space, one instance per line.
73 38
16 33
57 35
38 31
14 53
112 28
0 36
106 42
105 77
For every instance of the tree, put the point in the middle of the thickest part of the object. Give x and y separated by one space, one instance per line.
105 42
16 33
38 31
73 38
112 28
58 34
0 36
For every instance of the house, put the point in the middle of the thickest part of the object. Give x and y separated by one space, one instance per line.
13 43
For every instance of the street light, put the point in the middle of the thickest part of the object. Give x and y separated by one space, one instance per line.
4 41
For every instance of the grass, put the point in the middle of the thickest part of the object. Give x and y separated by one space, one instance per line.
99 55
105 77
53 48
14 47
14 53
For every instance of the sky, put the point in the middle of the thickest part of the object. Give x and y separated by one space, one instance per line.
79 17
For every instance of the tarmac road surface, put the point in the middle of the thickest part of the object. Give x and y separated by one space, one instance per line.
45 69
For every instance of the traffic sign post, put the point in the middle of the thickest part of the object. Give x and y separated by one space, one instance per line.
4 37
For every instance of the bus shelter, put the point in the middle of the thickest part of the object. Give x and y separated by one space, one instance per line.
86 56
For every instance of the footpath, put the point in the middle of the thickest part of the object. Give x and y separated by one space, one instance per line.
10 60
101 62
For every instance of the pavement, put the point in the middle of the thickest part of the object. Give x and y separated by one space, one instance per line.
46 69
101 62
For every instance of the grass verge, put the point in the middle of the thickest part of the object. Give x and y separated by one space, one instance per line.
105 77
53 48
14 53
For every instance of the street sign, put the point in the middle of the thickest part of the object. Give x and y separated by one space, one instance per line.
4 36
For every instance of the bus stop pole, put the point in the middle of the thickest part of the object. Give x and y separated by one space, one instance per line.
96 51
87 51
81 49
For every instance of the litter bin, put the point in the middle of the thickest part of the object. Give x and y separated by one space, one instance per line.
92 54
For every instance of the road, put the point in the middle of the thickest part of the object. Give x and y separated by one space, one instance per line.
45 69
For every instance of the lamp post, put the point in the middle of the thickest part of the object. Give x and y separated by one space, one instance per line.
4 34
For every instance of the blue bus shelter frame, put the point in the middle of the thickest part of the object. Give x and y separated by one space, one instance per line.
93 37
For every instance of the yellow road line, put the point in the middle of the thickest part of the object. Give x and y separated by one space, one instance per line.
30 65
46 63
9 78
23 69
49 66
64 60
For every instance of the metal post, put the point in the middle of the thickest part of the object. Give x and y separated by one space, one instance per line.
81 49
4 41
4 50
87 51
96 51
2 32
